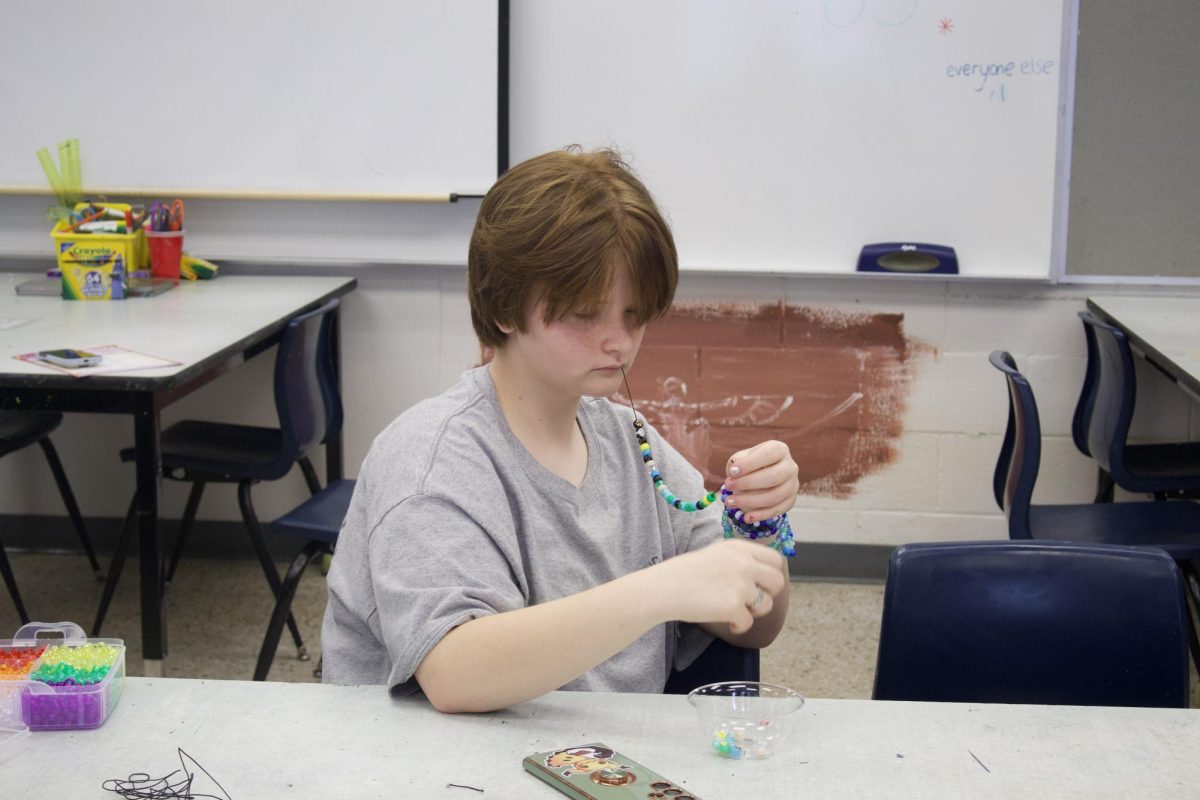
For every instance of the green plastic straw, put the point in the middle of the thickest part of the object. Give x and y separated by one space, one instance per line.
66 179
68 165
52 175
75 170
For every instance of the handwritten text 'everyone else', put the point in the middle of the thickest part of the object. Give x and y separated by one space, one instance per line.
1000 70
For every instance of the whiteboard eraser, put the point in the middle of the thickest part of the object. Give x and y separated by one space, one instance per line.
908 257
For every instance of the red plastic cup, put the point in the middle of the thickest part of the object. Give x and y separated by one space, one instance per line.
166 251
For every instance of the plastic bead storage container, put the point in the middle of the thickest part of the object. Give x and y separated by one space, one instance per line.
53 678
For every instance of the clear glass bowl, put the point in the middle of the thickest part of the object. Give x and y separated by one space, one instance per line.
743 719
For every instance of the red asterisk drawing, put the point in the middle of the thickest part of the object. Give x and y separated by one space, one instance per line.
946 25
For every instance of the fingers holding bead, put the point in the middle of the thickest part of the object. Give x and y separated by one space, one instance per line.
769 489
778 473
731 583
757 506
763 454
779 476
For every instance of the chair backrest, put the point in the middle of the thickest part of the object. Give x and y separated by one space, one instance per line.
1033 622
1087 393
1021 452
720 661
331 388
1114 396
303 395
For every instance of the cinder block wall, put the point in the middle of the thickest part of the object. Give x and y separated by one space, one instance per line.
407 335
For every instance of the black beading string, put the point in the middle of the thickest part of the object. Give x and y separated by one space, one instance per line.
629 393
140 786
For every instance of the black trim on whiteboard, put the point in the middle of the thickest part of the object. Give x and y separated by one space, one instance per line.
502 92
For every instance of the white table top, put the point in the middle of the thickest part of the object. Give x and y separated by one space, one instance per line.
1165 329
268 740
186 324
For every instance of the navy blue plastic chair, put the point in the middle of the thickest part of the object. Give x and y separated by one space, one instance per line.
1033 622
1172 526
1082 419
204 452
18 430
1103 414
720 661
317 521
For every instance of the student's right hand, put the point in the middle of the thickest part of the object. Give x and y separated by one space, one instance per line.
732 581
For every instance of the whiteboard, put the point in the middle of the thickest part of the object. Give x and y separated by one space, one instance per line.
396 98
782 136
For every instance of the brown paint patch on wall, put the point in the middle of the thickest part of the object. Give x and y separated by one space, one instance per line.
717 378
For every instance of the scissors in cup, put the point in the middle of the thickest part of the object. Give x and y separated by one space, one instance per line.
166 217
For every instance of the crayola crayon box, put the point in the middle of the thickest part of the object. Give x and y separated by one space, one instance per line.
98 265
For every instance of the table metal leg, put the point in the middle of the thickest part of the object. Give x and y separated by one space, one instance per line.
333 446
149 480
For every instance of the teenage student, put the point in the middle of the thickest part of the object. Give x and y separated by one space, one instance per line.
505 538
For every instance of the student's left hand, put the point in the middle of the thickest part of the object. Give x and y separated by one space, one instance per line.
763 479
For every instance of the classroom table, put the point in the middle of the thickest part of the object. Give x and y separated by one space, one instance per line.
1165 330
210 327
266 740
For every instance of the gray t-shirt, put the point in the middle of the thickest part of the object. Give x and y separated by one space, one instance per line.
453 519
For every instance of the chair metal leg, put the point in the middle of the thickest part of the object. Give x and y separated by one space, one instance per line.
1192 581
310 475
1104 486
68 496
264 558
287 593
185 527
10 581
115 568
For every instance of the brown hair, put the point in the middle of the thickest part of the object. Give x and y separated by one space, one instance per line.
554 228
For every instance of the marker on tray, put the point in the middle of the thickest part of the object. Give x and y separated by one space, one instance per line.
102 226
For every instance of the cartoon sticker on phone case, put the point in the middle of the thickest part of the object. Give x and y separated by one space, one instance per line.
580 760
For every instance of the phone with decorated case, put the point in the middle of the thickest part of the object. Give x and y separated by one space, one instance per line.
597 772
71 359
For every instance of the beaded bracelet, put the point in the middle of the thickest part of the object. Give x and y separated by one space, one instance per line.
732 521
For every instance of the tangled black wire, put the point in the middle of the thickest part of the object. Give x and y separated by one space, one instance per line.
140 786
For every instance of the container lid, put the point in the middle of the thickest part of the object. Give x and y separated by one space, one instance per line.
50 632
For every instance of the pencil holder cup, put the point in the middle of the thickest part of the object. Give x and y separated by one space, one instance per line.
166 249
745 719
